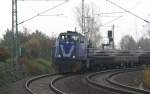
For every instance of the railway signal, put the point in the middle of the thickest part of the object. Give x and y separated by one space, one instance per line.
110 34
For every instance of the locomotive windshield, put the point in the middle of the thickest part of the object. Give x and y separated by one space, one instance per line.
68 37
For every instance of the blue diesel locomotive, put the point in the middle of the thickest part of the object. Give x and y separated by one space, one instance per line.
70 51
71 55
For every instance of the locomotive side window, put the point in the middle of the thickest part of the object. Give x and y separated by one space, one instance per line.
81 40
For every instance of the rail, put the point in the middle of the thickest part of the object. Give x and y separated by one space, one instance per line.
124 86
124 89
28 82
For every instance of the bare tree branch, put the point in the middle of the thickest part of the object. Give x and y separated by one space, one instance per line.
92 24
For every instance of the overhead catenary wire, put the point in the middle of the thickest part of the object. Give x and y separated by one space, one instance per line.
128 11
45 11
30 7
53 15
117 12
112 20
42 0
110 13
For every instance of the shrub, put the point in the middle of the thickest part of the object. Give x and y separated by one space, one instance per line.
4 54
146 78
38 66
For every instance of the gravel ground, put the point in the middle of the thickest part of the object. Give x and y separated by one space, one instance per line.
133 79
78 85
41 86
19 88
101 80
16 88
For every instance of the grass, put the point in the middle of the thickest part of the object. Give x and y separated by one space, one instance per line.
38 66
30 68
6 74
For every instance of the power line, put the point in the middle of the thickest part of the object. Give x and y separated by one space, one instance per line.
110 13
108 16
128 11
53 15
112 20
38 14
41 0
117 12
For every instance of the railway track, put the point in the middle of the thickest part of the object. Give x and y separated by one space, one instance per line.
104 80
40 84
75 84
93 83
55 89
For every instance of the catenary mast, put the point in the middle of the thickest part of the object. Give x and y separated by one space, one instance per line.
15 42
83 18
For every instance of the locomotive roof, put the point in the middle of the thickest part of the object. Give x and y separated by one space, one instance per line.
71 33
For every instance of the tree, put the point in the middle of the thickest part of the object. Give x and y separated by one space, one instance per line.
39 45
144 43
7 39
4 54
128 43
92 24
36 44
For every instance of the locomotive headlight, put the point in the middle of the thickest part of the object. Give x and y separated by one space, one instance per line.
67 42
73 57
59 56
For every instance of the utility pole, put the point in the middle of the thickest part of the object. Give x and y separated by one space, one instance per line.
113 32
17 38
12 38
15 42
83 18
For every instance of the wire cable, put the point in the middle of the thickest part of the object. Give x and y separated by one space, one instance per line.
128 11
38 14
112 20
119 12
53 15
40 0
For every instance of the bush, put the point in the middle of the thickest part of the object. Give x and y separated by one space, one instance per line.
8 75
146 78
4 54
38 66
29 68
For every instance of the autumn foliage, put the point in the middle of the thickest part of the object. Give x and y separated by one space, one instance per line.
4 54
146 78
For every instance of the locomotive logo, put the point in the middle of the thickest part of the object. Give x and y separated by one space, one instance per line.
65 54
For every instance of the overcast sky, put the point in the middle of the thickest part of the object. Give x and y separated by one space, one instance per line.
127 24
